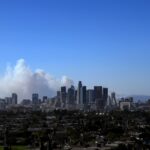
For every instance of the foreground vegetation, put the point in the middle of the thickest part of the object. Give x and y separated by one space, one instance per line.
15 148
81 129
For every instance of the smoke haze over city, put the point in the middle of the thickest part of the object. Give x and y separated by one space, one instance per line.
23 81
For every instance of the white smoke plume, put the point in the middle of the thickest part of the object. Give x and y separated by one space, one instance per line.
22 80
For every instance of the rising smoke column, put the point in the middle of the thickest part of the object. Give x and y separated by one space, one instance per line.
23 81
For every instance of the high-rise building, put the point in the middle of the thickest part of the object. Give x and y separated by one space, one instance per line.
76 96
98 92
63 96
14 98
113 95
57 99
113 99
2 104
105 96
98 96
90 96
71 95
58 94
83 95
44 99
35 99
79 92
8 100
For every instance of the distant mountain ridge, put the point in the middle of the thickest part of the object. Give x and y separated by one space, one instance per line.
140 97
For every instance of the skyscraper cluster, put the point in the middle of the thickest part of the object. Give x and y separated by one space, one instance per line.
82 98
8 101
79 98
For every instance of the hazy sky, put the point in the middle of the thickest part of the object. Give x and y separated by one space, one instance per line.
104 42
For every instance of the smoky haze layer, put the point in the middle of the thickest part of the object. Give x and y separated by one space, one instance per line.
23 81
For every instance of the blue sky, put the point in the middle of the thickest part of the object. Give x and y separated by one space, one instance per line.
97 41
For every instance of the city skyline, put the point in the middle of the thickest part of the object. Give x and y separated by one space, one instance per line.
99 43
23 81
71 98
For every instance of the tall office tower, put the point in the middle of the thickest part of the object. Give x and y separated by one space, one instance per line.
56 100
8 100
71 95
98 92
63 96
105 97
90 96
2 104
35 99
98 96
113 99
63 89
79 92
113 95
14 98
44 99
76 96
83 95
58 94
